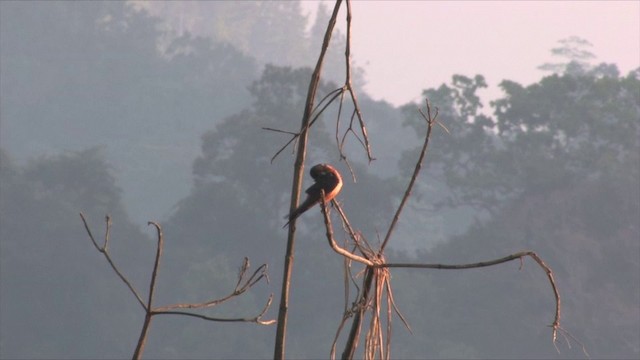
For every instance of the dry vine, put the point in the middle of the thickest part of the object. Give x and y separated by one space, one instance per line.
244 283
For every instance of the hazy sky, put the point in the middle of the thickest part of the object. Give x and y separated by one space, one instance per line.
406 46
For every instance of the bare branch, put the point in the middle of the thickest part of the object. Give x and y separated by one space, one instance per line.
349 85
107 233
430 121
332 242
395 308
295 135
86 227
568 337
244 283
105 252
256 319
243 269
368 252
156 264
556 322
258 274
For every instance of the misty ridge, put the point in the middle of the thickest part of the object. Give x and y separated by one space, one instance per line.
114 108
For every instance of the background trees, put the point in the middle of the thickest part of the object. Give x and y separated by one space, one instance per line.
105 74
55 295
556 166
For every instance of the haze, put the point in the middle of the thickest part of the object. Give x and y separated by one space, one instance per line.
164 111
404 45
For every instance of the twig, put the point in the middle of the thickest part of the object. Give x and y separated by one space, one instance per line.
352 234
332 242
105 251
260 273
156 264
556 322
256 319
430 121
393 303
316 114
281 131
241 286
349 85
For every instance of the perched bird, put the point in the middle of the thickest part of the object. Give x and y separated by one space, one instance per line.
326 178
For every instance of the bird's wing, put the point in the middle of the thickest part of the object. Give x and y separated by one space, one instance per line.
314 190
313 197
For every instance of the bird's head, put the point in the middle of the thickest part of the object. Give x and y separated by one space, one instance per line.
322 170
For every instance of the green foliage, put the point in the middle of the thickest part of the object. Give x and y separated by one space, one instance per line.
558 167
542 137
589 237
574 50
454 158
576 126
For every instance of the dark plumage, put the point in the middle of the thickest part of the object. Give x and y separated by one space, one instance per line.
326 178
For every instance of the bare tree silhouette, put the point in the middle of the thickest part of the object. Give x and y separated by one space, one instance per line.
246 280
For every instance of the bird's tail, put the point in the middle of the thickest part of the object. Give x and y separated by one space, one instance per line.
294 214
308 203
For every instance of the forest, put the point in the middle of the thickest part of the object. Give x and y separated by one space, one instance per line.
105 110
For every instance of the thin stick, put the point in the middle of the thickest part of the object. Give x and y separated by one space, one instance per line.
258 275
241 286
105 252
416 171
294 135
556 322
332 241
156 264
256 319
142 340
347 55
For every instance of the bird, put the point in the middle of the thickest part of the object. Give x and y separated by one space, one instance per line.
326 178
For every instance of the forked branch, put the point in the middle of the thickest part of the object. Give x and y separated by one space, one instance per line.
244 283
104 249
347 88
332 242
519 255
374 262
431 120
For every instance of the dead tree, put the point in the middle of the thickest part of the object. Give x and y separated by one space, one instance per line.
246 280
376 290
376 286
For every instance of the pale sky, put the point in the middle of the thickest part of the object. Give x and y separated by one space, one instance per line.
406 46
